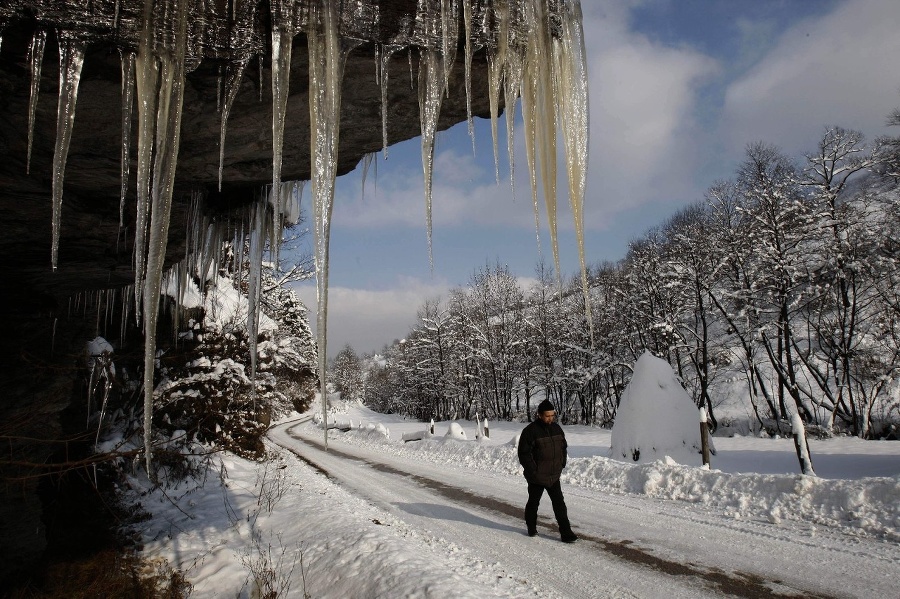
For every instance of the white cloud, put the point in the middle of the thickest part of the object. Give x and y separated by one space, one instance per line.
644 137
840 69
368 319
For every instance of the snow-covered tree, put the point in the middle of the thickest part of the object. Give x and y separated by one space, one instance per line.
346 373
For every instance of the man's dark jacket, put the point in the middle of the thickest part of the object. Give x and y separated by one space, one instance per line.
542 452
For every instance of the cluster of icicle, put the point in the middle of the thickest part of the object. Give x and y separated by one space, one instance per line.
535 51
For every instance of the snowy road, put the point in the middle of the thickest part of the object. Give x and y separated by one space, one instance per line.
631 546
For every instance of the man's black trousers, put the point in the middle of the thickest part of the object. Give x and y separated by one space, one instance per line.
535 492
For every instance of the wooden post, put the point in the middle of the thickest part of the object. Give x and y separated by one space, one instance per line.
704 437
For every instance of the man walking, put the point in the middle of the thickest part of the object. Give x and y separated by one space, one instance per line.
542 453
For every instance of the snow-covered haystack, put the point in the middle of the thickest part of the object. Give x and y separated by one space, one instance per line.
656 418
455 431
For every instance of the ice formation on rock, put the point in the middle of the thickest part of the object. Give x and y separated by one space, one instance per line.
535 51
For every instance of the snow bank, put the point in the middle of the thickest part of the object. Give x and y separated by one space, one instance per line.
869 505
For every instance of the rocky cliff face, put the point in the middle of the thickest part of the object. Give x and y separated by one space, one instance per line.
48 315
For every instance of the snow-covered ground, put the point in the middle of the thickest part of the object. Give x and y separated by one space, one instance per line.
376 517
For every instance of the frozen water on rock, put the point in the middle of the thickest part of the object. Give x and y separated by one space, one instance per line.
35 60
234 74
384 60
449 37
168 130
257 244
431 92
326 57
71 59
541 89
128 83
284 15
571 71
497 60
535 53
467 27
147 67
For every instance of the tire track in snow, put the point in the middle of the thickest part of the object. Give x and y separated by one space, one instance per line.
738 584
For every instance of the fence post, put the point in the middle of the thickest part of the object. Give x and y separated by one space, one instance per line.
704 437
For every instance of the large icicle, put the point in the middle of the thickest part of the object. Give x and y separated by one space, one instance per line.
168 132
71 59
572 90
147 67
233 77
538 73
512 84
325 79
383 73
467 17
528 121
257 244
283 31
35 60
496 62
431 92
449 37
128 62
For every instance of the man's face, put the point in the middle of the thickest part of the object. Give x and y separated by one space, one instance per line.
547 417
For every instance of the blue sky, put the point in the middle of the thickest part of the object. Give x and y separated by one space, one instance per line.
678 89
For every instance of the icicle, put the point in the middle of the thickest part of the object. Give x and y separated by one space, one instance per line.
147 68
71 59
431 93
168 131
219 81
36 60
539 85
496 60
366 164
449 37
467 17
128 62
325 79
53 336
528 120
232 85
572 88
259 68
386 53
276 231
257 243
512 83
283 31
